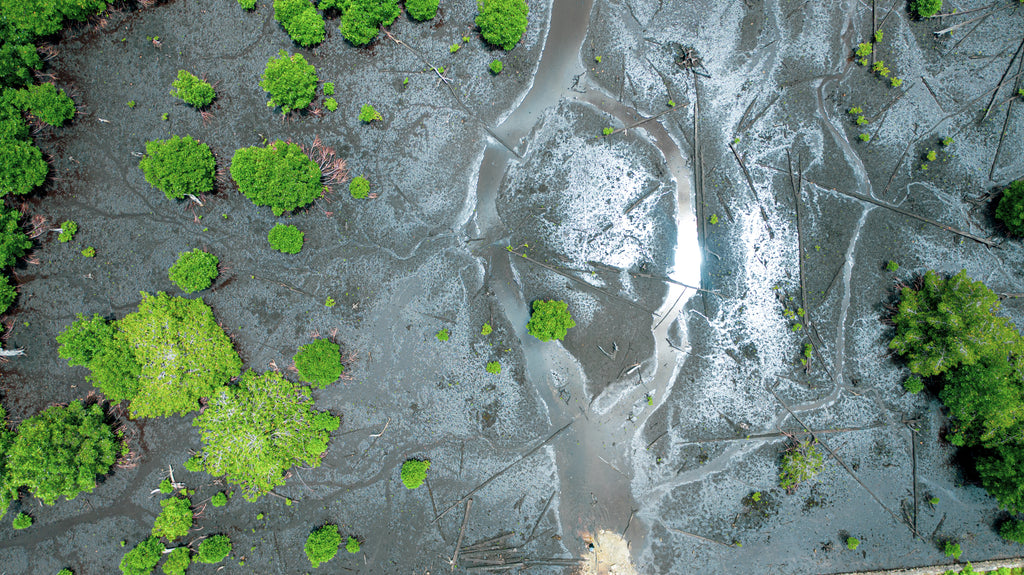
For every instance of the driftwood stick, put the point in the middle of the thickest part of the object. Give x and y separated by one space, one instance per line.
962 24
913 457
886 17
645 120
578 280
540 517
1006 121
462 533
959 13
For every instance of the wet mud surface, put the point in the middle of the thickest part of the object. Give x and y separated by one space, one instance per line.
662 411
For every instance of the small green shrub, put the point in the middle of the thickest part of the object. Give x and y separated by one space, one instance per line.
368 114
44 102
864 49
925 8
713 220
353 545
291 82
359 187
361 19
142 559
175 518
895 82
7 294
214 549
328 88
331 104
191 90
22 167
1010 209
65 571
486 329
931 155
219 499
165 486
247 4
286 239
301 21
131 104
878 36
892 266
329 302
177 561
421 9
454 48
852 543
89 252
952 549
607 131
496 67
323 544
550 320
194 271
68 229
865 137
913 384
319 363
179 167
22 521
502 22
442 335
801 462
494 367
194 464
280 176
414 473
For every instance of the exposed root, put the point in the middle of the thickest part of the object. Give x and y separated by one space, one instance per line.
38 226
334 170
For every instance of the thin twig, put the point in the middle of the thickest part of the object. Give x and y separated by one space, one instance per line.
462 533
702 538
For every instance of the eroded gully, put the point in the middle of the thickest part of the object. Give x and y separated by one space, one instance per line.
593 456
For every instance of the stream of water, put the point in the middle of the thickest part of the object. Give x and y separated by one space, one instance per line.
593 456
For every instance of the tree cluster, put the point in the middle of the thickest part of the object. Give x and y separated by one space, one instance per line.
323 544
163 358
1010 209
253 432
191 90
280 175
550 320
948 330
286 239
301 21
421 9
291 82
194 271
502 22
179 167
319 363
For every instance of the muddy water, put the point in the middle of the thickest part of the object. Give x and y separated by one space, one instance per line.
594 454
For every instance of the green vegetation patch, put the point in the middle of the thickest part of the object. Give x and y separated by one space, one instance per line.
177 561
46 103
219 499
1010 209
192 90
22 521
291 82
51 469
323 544
13 241
22 167
368 114
550 320
359 187
496 67
7 294
286 239
175 518
301 21
256 430
414 472
280 175
1012 530
494 367
421 9
502 22
352 546
319 363
142 559
194 271
801 462
68 229
179 167
214 549
925 8
361 19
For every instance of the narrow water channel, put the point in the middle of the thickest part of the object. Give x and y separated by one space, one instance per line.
594 458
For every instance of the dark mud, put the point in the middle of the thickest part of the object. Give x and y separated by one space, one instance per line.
648 421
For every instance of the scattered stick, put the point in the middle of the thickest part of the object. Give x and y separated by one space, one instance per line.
959 13
797 191
1002 80
900 210
972 20
913 457
383 430
578 280
1006 121
540 517
462 533
507 467
702 538
645 120
841 462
